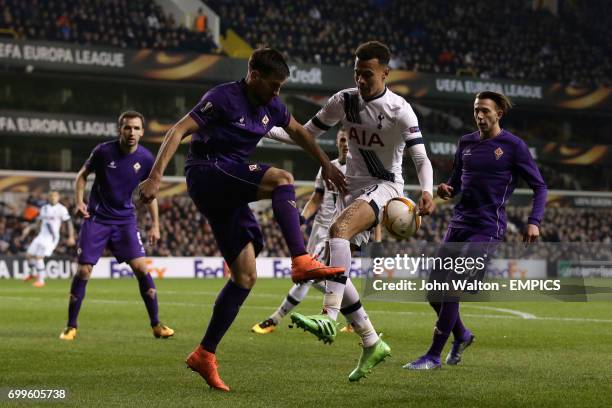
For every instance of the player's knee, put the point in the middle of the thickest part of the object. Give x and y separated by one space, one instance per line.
246 280
283 178
140 272
84 271
338 230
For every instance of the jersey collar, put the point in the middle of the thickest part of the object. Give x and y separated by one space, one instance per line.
380 95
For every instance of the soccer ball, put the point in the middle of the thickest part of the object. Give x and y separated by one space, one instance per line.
401 218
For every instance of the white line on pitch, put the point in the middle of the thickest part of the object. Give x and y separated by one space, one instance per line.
523 315
371 311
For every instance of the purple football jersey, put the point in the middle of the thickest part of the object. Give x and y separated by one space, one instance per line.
117 176
485 173
230 126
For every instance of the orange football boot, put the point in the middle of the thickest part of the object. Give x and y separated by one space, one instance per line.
305 267
205 363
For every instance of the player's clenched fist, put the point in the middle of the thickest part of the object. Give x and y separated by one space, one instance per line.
147 190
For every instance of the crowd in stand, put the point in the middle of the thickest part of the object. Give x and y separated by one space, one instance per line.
185 232
494 39
514 39
117 23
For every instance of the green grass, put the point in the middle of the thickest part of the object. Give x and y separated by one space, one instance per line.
562 360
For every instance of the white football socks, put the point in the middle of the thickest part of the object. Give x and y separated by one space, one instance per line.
296 294
40 270
340 256
356 315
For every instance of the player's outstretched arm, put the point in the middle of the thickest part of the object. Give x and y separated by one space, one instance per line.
148 189
278 134
306 141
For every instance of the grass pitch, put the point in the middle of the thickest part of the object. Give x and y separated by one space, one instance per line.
563 357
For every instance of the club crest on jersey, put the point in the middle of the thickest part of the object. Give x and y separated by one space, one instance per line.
265 120
136 167
365 139
112 165
254 167
498 153
380 118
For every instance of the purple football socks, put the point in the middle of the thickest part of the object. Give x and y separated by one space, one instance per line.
288 218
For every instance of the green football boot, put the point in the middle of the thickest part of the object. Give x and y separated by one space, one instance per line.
321 326
370 356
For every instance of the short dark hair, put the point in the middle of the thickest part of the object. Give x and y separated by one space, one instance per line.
129 114
269 61
374 49
501 100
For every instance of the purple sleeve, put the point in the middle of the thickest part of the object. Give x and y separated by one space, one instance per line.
529 171
281 114
455 179
90 163
208 109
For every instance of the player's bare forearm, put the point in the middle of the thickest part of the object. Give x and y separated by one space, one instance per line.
70 230
303 138
306 141
154 211
183 128
154 234
166 151
79 185
79 192
170 144
313 204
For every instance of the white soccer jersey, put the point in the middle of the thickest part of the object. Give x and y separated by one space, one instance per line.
51 217
328 206
378 131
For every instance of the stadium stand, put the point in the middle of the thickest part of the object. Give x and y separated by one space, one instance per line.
572 46
186 233
117 23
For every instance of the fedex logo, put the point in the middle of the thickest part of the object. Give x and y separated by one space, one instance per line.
201 270
122 270
355 271
279 270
